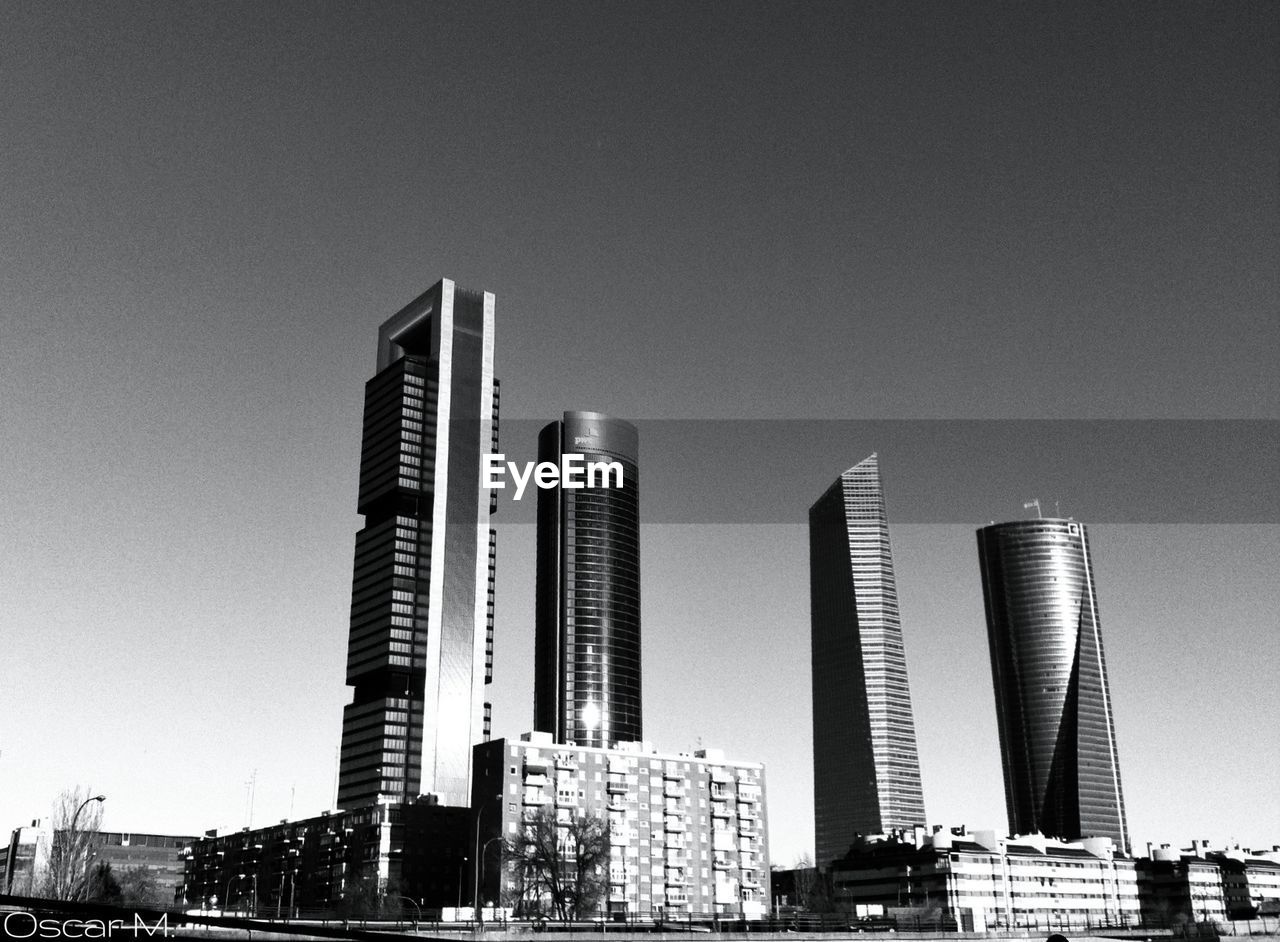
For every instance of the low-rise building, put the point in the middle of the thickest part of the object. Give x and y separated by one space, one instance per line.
160 857
1178 887
687 831
1250 880
976 881
1203 883
26 860
414 852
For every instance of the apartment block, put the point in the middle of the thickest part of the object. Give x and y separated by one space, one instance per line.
413 850
974 881
688 830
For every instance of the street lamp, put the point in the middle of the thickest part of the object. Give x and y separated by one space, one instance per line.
484 850
416 907
480 815
76 817
71 834
227 902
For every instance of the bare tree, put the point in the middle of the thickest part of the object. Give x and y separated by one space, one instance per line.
77 816
812 889
560 864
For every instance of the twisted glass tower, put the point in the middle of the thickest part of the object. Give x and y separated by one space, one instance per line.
587 643
866 769
420 647
1053 703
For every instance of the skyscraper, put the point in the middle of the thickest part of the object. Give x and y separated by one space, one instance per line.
587 647
866 770
420 648
1053 704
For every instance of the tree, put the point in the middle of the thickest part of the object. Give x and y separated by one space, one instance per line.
362 899
138 887
77 814
812 887
560 864
103 887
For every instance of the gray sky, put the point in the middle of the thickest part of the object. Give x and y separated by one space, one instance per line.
828 212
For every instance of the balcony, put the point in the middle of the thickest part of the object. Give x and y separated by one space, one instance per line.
567 761
674 824
720 811
615 788
536 765
672 774
749 793
536 799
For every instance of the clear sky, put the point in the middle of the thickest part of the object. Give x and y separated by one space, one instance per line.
700 212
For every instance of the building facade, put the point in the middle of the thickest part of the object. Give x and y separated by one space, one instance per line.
1177 890
25 861
866 767
977 882
687 832
386 852
1053 702
1202 884
25 864
1250 881
587 645
421 640
161 857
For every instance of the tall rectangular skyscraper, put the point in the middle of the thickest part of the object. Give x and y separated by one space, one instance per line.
1053 703
420 648
587 648
866 769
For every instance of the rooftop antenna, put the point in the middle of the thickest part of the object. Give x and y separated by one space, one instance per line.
337 760
251 787
1034 502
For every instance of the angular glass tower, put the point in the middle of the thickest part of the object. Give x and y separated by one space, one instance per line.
587 646
420 648
1053 703
866 769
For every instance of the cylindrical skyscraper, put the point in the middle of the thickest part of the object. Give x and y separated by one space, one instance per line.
1053 703
587 647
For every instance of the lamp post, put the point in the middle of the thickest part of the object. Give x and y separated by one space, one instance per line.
75 818
227 902
476 902
416 907
484 850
